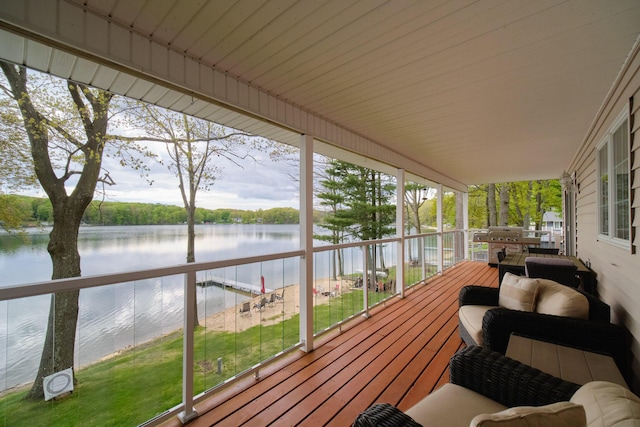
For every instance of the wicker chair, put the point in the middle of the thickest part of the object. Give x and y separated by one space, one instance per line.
547 251
595 334
559 270
499 378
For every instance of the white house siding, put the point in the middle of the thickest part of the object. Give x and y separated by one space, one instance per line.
618 269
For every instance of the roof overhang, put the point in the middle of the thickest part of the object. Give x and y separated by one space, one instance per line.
458 92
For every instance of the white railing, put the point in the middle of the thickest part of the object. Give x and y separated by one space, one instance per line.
152 311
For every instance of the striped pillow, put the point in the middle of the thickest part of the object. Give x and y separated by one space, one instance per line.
518 293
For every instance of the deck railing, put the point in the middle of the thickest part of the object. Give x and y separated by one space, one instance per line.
133 358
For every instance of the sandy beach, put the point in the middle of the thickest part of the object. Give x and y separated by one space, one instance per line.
231 320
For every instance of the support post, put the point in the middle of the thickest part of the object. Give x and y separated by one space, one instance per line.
365 280
306 242
400 223
189 412
440 228
465 219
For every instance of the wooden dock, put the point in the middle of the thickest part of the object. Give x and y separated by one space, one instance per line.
224 283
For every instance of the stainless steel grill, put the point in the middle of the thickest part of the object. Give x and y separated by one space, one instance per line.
511 239
504 234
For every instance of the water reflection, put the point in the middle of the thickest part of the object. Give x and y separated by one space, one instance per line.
118 316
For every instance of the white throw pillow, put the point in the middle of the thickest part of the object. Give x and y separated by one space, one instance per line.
560 414
608 404
561 300
518 293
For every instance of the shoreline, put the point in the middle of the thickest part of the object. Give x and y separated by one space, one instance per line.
230 319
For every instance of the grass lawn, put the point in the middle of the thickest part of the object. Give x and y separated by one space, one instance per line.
135 385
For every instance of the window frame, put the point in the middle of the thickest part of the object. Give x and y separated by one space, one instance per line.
606 147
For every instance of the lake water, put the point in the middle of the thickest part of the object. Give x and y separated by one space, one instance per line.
118 316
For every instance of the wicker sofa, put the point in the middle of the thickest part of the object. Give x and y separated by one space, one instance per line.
489 389
483 321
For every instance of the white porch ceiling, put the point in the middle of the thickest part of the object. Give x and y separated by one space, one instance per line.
478 91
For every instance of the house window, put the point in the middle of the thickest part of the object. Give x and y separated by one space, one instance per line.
613 184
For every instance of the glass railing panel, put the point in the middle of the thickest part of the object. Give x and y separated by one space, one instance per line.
414 260
141 374
337 286
127 356
448 250
430 242
279 318
248 314
351 284
383 284
454 250
23 323
478 251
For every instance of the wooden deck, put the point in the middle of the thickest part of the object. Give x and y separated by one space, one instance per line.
398 355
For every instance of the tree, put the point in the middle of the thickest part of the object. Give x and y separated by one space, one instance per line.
504 205
65 127
67 150
16 168
414 198
491 205
521 203
192 145
332 198
477 209
368 213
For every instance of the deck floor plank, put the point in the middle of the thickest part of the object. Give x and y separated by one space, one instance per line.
398 355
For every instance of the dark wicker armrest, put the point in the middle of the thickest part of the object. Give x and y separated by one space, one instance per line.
599 337
384 415
505 380
478 295
598 310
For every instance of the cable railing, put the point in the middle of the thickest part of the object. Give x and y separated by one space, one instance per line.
139 356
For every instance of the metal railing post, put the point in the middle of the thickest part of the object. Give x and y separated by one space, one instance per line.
365 279
189 412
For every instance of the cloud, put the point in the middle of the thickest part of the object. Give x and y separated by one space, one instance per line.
260 184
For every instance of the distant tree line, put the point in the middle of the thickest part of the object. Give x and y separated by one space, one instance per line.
34 211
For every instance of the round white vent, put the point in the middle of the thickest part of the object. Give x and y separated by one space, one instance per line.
58 383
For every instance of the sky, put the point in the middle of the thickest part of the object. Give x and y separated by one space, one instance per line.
260 184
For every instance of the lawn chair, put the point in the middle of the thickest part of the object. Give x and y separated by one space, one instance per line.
280 297
245 310
260 305
272 300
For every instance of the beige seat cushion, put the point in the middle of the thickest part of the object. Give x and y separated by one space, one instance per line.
518 293
560 414
452 405
554 298
470 317
608 404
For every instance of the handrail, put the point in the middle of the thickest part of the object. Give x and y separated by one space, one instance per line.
317 249
185 409
84 282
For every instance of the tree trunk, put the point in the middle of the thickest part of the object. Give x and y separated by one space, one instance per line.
491 205
191 254
58 350
504 205
526 216
539 211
